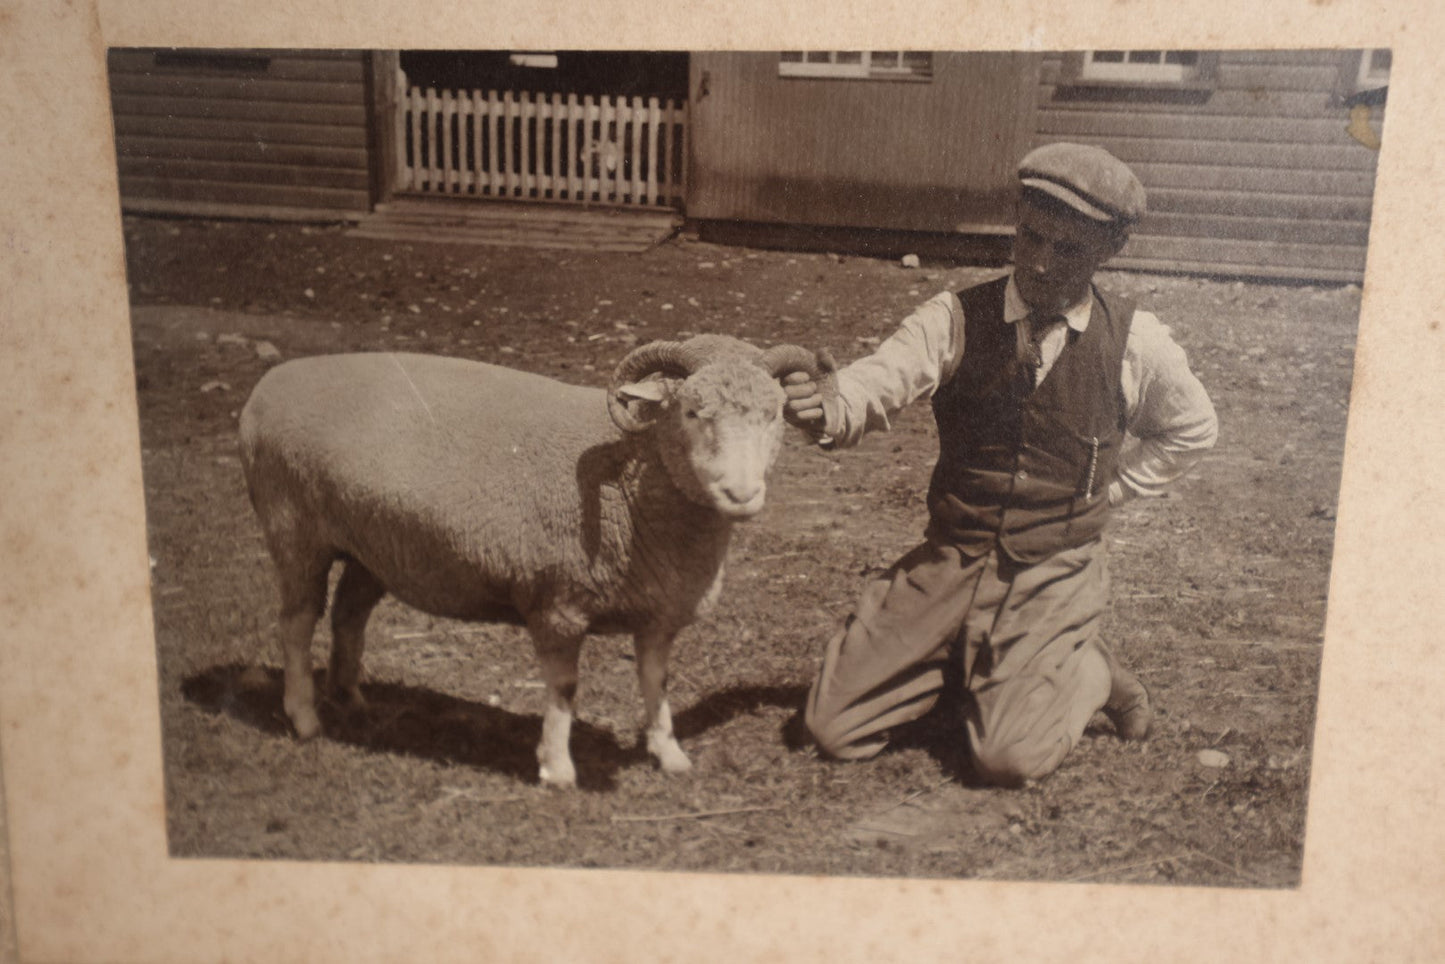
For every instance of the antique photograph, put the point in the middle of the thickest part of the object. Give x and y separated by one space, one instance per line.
915 464
523 482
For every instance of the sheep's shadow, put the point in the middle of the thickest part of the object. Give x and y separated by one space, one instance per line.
423 723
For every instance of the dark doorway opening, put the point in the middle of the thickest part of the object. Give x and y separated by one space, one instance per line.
626 73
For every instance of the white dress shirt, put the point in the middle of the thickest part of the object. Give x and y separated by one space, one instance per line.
1170 420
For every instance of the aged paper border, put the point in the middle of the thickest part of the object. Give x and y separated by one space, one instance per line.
79 724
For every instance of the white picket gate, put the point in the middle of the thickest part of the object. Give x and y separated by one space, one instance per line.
542 147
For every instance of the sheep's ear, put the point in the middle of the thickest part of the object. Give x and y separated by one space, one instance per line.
634 406
650 390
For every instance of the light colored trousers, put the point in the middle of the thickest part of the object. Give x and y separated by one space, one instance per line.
1028 638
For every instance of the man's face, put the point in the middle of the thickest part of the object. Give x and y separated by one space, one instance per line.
1055 256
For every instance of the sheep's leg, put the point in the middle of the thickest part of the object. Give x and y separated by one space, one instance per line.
303 599
557 650
653 648
357 593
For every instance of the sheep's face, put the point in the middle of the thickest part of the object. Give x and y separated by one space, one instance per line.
722 435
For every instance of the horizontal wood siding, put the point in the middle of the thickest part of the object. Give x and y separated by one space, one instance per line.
1258 177
933 155
270 133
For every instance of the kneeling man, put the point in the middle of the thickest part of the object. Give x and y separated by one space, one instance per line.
1055 402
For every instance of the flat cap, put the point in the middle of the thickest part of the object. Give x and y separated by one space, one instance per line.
1088 179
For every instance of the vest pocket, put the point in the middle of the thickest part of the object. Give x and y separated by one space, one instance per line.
1088 459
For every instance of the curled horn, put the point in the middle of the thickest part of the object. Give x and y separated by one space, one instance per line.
665 357
782 360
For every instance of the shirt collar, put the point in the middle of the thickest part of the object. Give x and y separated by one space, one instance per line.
1015 309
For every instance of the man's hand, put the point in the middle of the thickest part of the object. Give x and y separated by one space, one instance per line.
804 407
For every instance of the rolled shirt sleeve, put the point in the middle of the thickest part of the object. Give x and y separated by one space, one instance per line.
910 364
1170 419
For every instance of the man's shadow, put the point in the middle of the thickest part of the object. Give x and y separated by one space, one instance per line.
941 732
938 733
423 723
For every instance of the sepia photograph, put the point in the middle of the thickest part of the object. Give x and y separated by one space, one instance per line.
531 482
460 368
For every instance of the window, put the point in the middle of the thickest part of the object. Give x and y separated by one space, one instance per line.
1364 77
1154 76
857 64
539 60
1140 66
1374 69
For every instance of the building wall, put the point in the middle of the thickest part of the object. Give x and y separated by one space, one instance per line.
1253 175
929 156
1256 176
264 133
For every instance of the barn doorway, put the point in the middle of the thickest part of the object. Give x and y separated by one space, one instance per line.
566 127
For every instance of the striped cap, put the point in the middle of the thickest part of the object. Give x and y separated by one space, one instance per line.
1088 179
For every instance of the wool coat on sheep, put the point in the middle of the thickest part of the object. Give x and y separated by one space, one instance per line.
477 498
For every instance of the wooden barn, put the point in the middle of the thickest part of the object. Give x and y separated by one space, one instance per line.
283 134
1247 157
1257 163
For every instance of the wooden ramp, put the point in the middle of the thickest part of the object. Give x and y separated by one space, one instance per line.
519 224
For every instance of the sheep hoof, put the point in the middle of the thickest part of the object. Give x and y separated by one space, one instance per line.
563 776
555 769
349 698
670 757
306 722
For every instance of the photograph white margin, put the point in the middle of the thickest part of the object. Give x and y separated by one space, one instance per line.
79 724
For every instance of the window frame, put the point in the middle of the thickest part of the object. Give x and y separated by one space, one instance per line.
1079 69
1358 80
1367 76
532 59
863 69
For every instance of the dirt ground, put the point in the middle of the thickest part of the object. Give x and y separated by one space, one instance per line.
1219 589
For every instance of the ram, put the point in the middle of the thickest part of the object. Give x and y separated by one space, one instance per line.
482 493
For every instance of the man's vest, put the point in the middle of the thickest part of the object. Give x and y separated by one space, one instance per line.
1022 468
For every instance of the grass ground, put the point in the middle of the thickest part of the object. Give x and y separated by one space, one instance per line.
1219 589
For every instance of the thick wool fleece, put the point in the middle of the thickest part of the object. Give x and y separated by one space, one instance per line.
475 492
